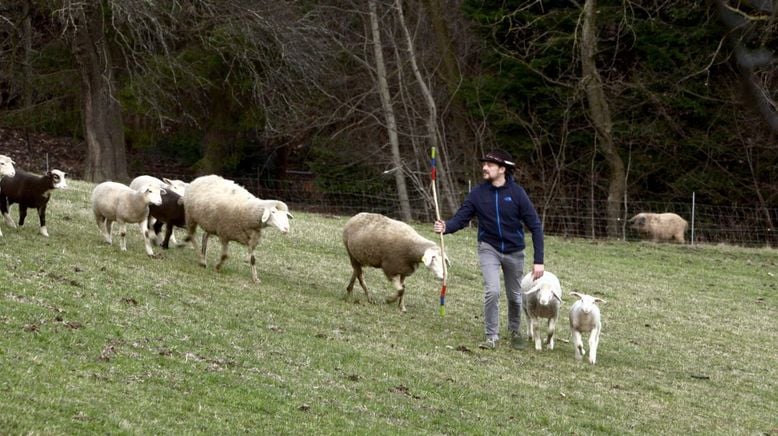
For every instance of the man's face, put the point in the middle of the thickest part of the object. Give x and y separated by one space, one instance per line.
492 171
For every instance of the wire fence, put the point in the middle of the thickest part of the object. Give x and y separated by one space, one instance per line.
568 217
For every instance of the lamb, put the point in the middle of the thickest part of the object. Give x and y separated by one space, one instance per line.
585 317
172 208
113 201
541 298
223 208
394 246
30 191
660 226
6 170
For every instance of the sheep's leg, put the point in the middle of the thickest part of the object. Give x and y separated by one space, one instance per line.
253 262
8 220
358 274
397 281
594 341
107 226
168 234
535 321
225 247
156 226
191 228
530 327
578 344
551 329
144 231
42 220
123 235
205 243
22 214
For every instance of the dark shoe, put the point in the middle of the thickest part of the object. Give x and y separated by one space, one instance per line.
489 344
517 341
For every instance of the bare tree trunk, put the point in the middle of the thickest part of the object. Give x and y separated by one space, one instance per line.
102 119
433 132
391 122
27 68
601 118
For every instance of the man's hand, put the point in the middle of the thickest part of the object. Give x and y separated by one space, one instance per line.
440 226
537 271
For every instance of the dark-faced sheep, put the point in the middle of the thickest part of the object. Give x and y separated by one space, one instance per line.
225 209
660 226
29 191
380 242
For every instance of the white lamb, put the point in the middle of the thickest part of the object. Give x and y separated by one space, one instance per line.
223 208
585 317
541 299
113 201
6 170
170 185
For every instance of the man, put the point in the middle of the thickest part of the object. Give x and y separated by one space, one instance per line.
503 209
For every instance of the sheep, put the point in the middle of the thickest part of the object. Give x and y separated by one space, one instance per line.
30 191
660 226
585 317
6 170
394 246
113 201
541 298
223 208
170 210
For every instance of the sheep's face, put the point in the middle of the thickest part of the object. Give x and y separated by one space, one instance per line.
153 194
6 167
638 221
586 303
545 292
434 261
177 186
58 179
277 218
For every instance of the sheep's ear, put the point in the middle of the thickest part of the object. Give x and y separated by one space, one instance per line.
265 215
533 289
427 258
557 297
599 300
576 294
162 191
448 261
289 215
167 181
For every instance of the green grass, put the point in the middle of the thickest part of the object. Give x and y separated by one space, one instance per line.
95 340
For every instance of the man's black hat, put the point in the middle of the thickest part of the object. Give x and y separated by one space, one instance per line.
499 157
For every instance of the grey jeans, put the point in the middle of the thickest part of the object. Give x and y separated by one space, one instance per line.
512 265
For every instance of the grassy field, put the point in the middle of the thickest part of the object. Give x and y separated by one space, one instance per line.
95 340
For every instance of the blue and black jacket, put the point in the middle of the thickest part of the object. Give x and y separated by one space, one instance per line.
502 214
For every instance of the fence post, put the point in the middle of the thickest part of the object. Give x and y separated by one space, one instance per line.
693 203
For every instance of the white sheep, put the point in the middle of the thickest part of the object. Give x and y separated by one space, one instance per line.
585 317
223 208
394 246
660 226
113 201
6 170
169 185
541 298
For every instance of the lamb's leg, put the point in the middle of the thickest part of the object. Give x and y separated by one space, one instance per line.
551 329
144 231
205 243
578 344
594 341
156 226
535 321
123 235
253 262
225 247
8 220
42 220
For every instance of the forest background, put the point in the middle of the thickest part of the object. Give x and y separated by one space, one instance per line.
601 103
